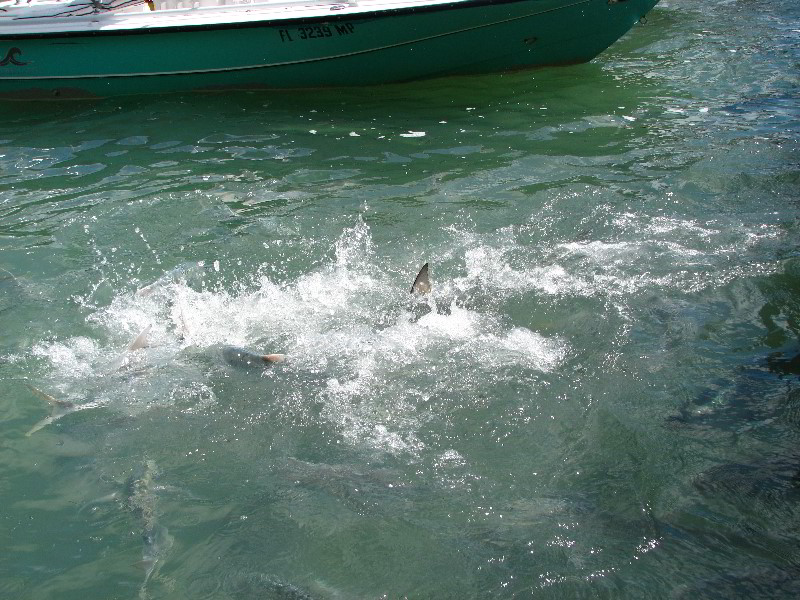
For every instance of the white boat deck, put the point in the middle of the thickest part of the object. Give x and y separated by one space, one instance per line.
18 17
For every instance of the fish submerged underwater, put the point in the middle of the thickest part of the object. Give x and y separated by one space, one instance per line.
142 501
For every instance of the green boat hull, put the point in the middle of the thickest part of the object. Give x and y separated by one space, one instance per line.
337 50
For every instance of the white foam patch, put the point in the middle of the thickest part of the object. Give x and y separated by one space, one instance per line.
521 345
75 358
683 250
604 253
661 225
488 267
459 324
451 468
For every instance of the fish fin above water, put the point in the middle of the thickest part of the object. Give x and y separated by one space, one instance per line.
141 340
181 326
422 283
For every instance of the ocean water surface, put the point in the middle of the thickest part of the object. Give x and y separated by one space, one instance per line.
598 399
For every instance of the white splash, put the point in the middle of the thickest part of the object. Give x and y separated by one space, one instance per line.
358 345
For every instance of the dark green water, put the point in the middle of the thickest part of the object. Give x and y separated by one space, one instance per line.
600 399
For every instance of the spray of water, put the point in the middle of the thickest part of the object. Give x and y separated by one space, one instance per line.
369 358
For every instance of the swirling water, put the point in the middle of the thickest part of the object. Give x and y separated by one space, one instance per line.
600 397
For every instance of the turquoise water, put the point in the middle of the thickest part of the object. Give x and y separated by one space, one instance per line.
599 398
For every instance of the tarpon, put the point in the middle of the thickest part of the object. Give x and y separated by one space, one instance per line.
58 409
242 357
156 540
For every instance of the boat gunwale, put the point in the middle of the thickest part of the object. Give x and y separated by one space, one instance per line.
280 22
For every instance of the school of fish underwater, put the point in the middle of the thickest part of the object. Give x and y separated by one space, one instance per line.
522 335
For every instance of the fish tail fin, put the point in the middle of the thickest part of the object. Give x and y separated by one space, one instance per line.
58 408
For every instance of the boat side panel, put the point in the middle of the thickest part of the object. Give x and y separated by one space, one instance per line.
323 53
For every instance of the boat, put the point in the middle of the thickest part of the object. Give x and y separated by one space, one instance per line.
99 48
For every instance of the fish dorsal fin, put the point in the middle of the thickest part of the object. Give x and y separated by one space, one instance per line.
141 340
422 284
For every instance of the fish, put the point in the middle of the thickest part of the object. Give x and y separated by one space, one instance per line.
242 357
181 325
93 504
58 409
755 397
781 365
422 283
156 539
157 542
